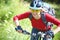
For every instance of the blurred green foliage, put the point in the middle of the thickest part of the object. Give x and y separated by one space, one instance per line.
53 1
10 8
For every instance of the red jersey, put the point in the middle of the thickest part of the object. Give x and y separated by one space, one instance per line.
38 24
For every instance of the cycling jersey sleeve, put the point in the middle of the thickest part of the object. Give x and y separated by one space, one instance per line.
52 19
21 16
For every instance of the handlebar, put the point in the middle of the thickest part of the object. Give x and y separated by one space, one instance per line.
25 32
39 33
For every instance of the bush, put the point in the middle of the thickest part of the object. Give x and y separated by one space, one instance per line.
7 9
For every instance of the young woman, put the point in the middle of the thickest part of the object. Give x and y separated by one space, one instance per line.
36 21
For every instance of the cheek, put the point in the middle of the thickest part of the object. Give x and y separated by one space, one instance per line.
34 13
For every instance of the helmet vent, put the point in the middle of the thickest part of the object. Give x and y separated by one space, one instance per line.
35 2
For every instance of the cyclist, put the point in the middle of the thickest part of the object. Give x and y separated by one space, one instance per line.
37 22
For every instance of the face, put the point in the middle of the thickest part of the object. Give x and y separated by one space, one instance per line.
35 11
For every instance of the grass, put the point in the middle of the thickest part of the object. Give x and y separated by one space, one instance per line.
57 9
7 27
8 31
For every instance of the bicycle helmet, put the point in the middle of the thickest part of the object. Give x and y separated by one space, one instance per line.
46 6
36 5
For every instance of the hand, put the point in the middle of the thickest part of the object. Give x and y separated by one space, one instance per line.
19 29
56 30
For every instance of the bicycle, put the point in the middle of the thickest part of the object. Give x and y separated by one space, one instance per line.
40 34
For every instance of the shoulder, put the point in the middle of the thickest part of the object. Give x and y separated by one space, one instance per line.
49 16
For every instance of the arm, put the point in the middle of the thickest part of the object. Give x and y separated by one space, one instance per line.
19 17
54 21
16 21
